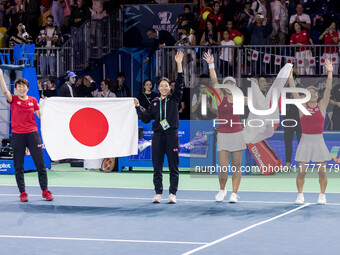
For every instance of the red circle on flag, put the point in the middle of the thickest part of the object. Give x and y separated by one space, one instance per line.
254 55
278 60
89 126
300 61
333 59
266 58
289 61
322 60
312 61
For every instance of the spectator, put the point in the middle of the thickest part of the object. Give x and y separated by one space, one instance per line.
3 37
32 16
203 17
331 37
233 32
244 17
280 22
21 37
189 57
301 37
335 101
66 89
259 33
259 6
263 85
85 86
16 13
57 12
105 90
228 10
67 12
97 11
189 16
47 89
147 95
211 37
161 38
227 55
49 37
79 14
45 6
216 14
300 17
121 90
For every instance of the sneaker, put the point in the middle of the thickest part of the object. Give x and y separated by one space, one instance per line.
172 199
233 198
23 197
48 195
300 199
322 199
220 195
157 198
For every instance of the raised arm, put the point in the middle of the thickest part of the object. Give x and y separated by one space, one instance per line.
4 88
291 83
179 81
210 60
327 94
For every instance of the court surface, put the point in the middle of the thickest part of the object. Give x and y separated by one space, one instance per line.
99 219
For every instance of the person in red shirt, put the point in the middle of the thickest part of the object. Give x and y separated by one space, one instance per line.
203 18
25 134
233 32
331 37
230 138
301 37
312 146
216 14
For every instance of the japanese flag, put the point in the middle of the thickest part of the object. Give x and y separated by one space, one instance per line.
278 60
89 128
300 62
323 60
335 59
255 55
312 61
266 58
289 60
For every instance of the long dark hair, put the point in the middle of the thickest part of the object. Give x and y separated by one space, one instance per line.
144 82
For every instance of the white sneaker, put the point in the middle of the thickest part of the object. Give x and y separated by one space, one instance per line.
172 199
157 198
300 199
321 199
233 198
220 195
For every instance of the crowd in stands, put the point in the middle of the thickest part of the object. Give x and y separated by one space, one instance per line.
24 21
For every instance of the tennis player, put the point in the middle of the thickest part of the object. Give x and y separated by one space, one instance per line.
25 134
164 110
230 138
312 146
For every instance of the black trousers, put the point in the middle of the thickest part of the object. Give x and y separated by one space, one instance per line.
288 136
33 143
165 144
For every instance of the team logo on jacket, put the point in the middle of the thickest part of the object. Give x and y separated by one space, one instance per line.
154 104
19 103
30 104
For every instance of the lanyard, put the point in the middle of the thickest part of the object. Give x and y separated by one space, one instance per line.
147 98
160 108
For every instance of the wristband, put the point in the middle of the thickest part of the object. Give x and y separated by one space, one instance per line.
212 66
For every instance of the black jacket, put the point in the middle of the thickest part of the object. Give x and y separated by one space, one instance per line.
145 99
164 37
83 13
83 91
121 91
152 113
64 91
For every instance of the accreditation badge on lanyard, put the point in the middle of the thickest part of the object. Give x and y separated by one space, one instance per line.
164 123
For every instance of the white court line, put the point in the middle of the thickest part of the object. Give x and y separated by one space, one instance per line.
180 199
99 187
98 239
244 230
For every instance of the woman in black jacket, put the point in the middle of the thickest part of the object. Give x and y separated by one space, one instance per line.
164 110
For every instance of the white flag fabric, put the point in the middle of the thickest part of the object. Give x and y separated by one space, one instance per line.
300 62
335 59
89 128
255 55
323 60
289 60
266 58
312 61
253 134
278 60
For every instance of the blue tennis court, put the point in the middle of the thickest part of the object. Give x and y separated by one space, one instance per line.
124 221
